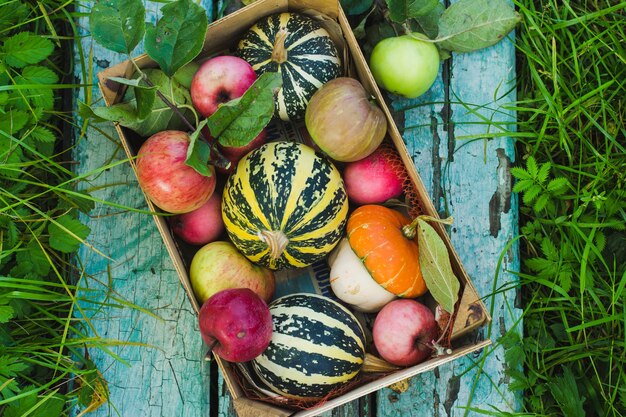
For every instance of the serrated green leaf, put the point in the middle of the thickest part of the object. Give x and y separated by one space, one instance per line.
11 233
522 185
118 25
436 268
565 279
531 194
13 121
469 25
238 121
43 134
178 36
558 184
541 202
11 14
539 265
31 262
548 248
352 7
544 171
531 167
401 10
564 389
6 313
36 74
520 173
26 48
199 152
67 234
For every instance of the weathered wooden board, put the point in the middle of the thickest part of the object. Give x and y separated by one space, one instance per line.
467 179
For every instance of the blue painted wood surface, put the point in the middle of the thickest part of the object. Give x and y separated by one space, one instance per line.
468 178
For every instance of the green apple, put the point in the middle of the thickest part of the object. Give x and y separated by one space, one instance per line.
405 65
219 266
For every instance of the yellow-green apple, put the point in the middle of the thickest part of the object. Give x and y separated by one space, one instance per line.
201 226
405 65
236 324
219 80
404 332
169 183
219 265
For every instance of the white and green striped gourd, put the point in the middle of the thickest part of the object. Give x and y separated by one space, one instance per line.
317 347
300 49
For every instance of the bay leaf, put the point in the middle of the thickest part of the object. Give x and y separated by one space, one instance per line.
178 36
118 25
401 10
238 121
437 271
469 25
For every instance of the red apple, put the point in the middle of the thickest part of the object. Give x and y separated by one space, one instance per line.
236 324
404 332
375 178
219 265
201 226
163 175
219 80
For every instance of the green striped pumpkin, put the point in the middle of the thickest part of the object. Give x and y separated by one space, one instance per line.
285 206
297 47
317 346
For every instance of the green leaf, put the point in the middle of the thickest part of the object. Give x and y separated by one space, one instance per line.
429 22
521 173
26 48
564 389
531 194
185 74
238 121
13 121
67 234
36 74
469 25
401 10
436 268
549 249
144 95
31 262
541 202
35 406
123 113
178 36
118 25
43 134
352 7
6 313
11 14
531 167
558 185
199 152
522 185
543 173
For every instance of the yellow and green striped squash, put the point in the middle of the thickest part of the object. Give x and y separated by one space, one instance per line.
317 347
299 49
285 206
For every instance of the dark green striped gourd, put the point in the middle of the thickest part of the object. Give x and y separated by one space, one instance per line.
297 47
285 206
317 347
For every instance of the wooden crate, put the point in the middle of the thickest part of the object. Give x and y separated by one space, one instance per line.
222 35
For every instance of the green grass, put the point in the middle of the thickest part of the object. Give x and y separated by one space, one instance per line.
45 332
572 179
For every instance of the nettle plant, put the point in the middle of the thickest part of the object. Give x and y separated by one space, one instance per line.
159 99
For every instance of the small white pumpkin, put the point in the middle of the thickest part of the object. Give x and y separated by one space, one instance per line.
352 283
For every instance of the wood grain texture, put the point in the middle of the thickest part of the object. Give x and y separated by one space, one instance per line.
470 180
164 373
467 179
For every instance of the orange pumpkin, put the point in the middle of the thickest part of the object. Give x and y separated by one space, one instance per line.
375 235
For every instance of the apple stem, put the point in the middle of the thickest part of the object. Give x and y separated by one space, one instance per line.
279 53
209 355
221 161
